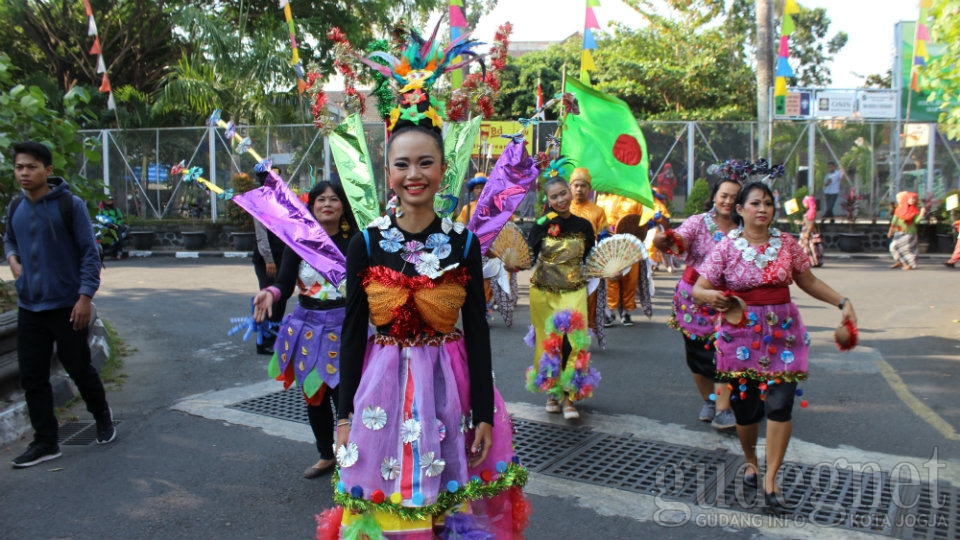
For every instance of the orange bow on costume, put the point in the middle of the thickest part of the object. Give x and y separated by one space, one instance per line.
415 305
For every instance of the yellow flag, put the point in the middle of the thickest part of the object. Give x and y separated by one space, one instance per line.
780 86
792 8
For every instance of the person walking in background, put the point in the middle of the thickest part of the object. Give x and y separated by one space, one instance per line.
831 188
54 258
266 259
581 184
667 182
762 344
474 188
308 346
903 231
956 250
695 238
621 291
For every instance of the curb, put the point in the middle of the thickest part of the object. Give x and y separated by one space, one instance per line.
190 254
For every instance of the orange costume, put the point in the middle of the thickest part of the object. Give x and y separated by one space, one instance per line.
621 291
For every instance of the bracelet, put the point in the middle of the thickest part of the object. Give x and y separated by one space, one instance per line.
344 422
842 303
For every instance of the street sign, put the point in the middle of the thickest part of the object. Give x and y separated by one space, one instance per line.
798 103
834 104
878 103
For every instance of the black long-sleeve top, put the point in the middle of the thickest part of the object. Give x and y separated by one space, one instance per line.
289 271
476 332
571 225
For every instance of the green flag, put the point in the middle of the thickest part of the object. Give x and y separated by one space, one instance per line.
606 139
458 143
349 148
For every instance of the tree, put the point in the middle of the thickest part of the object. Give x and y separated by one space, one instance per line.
25 115
942 76
136 37
811 48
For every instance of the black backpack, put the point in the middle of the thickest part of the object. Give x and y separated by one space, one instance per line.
66 211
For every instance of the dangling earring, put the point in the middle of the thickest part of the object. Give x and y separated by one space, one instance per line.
713 209
399 211
344 226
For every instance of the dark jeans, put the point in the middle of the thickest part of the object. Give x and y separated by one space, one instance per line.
322 423
831 201
37 331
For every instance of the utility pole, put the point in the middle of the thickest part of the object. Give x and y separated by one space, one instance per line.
764 72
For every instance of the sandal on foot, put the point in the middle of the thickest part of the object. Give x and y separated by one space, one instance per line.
553 406
570 412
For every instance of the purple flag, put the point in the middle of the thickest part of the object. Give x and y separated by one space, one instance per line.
512 177
285 215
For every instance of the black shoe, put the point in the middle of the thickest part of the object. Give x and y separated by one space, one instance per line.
106 431
625 320
773 506
36 453
265 349
750 480
609 321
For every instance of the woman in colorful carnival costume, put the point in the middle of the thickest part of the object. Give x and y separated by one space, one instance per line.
695 239
308 344
560 243
424 441
761 350
903 231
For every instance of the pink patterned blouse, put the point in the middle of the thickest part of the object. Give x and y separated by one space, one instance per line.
701 235
726 269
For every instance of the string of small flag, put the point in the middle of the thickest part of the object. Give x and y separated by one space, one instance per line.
98 50
784 70
295 57
589 42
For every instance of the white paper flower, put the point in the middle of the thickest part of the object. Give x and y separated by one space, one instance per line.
431 466
446 225
374 418
775 243
410 431
390 468
428 265
741 243
749 254
382 222
463 424
459 227
347 455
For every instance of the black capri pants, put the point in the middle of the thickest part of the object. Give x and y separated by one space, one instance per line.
700 357
777 404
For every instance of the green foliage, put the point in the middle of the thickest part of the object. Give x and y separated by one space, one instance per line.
944 219
26 115
942 76
242 183
697 198
811 47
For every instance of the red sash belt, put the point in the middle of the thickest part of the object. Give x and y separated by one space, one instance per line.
690 275
764 296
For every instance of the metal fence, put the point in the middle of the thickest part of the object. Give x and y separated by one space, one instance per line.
136 162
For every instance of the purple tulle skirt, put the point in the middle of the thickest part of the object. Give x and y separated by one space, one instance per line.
411 423
772 343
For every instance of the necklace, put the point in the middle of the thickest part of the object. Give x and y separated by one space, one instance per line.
712 227
749 253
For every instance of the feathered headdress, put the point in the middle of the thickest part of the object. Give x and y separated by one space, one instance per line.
417 66
555 168
745 171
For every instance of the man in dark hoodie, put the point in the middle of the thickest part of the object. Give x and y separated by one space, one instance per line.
57 268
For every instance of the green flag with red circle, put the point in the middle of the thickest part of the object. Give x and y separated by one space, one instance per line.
605 139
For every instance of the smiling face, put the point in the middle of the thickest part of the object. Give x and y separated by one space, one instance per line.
415 167
725 198
328 209
757 209
559 197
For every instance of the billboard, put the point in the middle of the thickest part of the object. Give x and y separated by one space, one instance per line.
915 100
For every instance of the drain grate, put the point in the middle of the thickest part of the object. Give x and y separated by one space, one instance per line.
285 405
931 520
79 433
641 466
538 444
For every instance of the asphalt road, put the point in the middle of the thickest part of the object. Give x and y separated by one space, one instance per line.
177 474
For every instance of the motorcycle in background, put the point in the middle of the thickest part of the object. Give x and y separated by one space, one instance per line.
111 238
